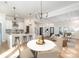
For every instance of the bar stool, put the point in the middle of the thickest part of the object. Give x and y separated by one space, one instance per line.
30 37
16 41
24 39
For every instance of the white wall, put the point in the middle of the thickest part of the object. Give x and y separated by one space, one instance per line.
28 22
31 23
2 20
35 26
45 25
21 25
64 17
8 24
67 20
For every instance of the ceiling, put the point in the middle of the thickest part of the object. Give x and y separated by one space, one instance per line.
23 8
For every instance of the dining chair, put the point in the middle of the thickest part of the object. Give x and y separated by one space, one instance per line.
16 40
25 53
48 55
53 53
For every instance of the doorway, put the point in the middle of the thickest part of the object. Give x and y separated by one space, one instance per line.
51 31
41 30
27 29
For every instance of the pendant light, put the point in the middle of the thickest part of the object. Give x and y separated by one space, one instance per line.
14 19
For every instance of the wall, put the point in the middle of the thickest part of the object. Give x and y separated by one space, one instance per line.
46 25
19 21
35 25
68 21
31 23
2 20
8 24
21 25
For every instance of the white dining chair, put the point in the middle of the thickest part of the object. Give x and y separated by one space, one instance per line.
53 53
48 55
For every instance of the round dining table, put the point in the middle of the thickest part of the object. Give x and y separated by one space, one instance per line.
48 45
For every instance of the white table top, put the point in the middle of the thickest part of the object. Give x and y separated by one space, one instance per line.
45 47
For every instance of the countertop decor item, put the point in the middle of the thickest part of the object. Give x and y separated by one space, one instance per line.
40 40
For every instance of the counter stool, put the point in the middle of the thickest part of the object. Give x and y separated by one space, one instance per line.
16 41
24 39
30 37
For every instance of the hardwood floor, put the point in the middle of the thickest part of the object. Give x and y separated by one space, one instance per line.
25 52
66 52
4 47
63 52
71 52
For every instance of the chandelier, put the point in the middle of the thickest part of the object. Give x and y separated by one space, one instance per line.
41 12
14 19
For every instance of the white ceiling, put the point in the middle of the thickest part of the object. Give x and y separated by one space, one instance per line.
23 8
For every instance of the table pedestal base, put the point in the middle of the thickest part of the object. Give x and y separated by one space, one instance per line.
34 53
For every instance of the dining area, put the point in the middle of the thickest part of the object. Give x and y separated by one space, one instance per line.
42 47
53 50
56 49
